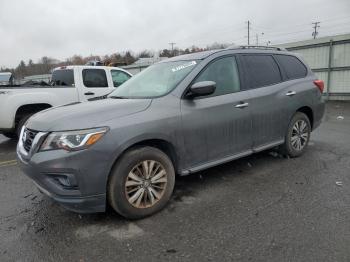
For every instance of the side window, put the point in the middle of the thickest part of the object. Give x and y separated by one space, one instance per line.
261 70
119 77
95 78
224 73
293 67
62 77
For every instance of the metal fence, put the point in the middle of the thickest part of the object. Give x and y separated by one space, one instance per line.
329 58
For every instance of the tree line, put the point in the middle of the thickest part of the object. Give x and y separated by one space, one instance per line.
46 64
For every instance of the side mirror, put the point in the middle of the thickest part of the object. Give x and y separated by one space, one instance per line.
203 88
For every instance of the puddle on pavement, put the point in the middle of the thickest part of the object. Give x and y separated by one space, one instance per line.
120 233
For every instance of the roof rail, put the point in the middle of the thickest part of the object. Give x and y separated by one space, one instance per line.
257 47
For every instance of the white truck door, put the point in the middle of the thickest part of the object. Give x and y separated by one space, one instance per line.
95 83
64 86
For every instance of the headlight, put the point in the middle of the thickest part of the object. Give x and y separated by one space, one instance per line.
73 140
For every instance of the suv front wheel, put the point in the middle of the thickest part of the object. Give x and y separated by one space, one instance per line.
141 182
298 135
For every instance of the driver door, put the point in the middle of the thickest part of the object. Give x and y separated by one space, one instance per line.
218 126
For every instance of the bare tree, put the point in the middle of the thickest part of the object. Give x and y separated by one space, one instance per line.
145 54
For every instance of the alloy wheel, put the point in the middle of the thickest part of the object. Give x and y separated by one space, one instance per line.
146 184
300 135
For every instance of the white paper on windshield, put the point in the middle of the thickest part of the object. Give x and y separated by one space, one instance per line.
180 67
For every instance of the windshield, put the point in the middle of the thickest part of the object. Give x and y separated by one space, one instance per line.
156 80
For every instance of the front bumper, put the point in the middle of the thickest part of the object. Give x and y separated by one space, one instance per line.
76 180
91 204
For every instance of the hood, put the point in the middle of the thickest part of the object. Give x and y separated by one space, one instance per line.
85 115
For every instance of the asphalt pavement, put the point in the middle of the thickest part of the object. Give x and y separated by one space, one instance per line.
259 208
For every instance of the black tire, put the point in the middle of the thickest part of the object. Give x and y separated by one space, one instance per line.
20 124
290 148
117 194
11 135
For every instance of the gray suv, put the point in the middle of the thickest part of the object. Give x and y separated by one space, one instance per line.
179 116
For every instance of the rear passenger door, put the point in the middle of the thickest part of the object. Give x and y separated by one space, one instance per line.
218 125
95 83
269 105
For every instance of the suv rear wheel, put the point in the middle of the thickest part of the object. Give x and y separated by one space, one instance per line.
298 135
141 183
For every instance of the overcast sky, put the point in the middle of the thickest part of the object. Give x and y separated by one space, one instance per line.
62 28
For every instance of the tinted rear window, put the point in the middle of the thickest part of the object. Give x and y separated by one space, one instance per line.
63 77
262 70
293 67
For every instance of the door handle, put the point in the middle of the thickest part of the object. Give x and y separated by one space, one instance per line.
291 93
242 105
89 93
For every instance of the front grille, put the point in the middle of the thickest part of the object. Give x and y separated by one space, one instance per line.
27 138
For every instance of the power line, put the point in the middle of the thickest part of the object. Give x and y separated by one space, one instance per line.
269 32
324 26
326 30
283 28
334 26
220 30
289 33
300 35
336 19
275 35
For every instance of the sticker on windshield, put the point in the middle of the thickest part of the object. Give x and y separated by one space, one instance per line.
180 67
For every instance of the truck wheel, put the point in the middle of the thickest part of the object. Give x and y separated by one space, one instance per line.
141 183
20 124
298 135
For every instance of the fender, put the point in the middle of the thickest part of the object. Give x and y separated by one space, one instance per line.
14 99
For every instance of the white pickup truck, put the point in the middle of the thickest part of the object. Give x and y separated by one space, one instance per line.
69 84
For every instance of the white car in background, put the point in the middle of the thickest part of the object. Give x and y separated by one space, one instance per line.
69 84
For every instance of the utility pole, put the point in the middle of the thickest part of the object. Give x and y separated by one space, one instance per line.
248 31
172 47
315 33
257 38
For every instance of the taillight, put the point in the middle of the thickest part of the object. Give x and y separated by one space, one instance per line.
320 85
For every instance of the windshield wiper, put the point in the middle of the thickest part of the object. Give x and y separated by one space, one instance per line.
118 97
